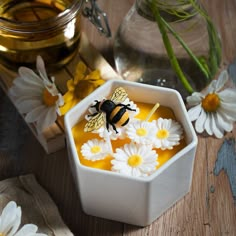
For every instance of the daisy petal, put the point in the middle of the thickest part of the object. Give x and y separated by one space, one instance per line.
194 99
218 132
28 229
194 112
229 110
28 74
46 119
10 217
41 67
222 79
228 95
22 83
207 125
28 105
222 122
199 124
34 114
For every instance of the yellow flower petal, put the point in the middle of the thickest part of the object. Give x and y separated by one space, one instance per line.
68 96
68 106
65 108
81 67
94 75
70 85
80 72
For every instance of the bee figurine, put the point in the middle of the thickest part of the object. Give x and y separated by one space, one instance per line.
112 112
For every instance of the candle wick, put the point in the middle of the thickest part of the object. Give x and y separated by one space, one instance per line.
152 111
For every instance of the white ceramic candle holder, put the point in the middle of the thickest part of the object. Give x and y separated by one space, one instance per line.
133 200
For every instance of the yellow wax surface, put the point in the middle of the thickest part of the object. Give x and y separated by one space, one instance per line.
81 137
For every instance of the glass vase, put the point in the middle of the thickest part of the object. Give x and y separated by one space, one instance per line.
170 43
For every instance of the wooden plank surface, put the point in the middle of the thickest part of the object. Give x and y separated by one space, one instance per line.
209 208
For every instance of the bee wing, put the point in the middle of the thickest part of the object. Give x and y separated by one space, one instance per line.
95 122
119 95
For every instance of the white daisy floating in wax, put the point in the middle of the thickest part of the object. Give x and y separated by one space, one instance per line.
95 150
140 131
135 160
10 220
168 133
103 132
214 110
36 96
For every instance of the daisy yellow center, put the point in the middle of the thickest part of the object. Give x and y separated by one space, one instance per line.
49 99
135 160
211 102
162 134
96 149
141 132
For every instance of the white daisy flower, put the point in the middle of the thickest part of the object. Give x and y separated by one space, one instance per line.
140 131
36 96
102 132
215 109
95 150
135 160
168 133
133 106
10 220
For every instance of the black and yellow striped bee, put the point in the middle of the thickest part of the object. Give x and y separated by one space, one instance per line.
112 112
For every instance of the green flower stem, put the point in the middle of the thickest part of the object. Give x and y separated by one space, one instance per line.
173 60
214 41
190 53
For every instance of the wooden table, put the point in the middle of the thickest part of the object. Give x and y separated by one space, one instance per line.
208 209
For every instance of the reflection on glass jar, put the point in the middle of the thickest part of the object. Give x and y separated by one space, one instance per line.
50 28
142 53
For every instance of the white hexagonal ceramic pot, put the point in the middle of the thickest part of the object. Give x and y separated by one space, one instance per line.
133 200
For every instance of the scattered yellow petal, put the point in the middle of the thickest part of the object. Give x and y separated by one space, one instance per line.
65 108
68 96
80 71
70 85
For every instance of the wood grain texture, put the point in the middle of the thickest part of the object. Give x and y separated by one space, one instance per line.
209 207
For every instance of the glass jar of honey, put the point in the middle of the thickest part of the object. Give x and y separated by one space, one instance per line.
49 28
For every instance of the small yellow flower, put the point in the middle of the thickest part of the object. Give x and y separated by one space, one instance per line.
81 86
